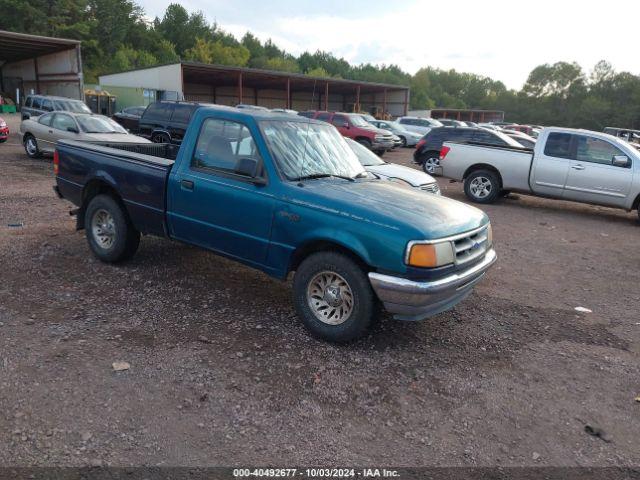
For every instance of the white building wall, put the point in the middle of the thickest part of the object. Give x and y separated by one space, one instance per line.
167 78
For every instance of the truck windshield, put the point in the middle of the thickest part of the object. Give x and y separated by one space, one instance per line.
98 124
310 149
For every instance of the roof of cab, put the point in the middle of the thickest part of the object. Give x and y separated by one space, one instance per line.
258 115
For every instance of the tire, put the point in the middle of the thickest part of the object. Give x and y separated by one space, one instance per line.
2 140
380 152
160 138
482 186
31 146
404 141
504 193
431 165
345 278
109 231
365 142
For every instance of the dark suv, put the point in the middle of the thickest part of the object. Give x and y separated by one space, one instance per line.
427 151
166 121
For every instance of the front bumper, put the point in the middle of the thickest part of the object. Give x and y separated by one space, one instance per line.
410 300
382 145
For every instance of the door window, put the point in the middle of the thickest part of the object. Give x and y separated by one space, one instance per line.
339 120
323 116
46 119
558 145
594 150
221 144
63 122
37 103
47 105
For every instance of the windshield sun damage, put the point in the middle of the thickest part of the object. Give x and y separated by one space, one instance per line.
309 149
98 124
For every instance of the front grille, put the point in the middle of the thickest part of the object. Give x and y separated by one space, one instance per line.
471 247
430 187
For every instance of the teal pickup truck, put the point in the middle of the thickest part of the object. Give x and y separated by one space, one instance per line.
282 194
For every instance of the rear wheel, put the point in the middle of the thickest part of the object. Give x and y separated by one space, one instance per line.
380 152
403 140
482 186
431 165
333 297
111 235
31 146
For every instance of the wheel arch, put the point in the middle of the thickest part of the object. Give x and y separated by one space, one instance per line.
324 245
636 203
94 187
482 166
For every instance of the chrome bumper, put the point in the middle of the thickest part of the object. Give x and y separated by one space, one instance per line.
409 300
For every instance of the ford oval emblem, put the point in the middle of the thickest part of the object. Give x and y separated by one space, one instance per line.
476 245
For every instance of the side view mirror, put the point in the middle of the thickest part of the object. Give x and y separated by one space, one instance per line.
248 167
621 161
345 125
72 129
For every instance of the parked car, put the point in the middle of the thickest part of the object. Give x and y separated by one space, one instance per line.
418 124
631 136
4 130
522 138
519 128
569 164
352 125
368 117
407 137
36 105
489 126
283 194
427 152
391 171
166 121
40 134
129 118
449 122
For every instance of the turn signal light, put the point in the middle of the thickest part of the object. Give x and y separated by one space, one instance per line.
56 162
423 255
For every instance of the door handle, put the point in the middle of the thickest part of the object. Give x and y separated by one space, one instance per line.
577 167
186 184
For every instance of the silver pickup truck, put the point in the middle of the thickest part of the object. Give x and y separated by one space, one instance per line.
568 164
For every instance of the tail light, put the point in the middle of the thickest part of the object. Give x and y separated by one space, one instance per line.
443 152
420 144
56 162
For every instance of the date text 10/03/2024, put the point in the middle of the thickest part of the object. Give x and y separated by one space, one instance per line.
316 472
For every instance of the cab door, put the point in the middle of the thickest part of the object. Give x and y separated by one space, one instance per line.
593 177
212 205
551 166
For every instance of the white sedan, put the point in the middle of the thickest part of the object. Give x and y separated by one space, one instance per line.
391 171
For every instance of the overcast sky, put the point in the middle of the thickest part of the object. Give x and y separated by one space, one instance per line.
501 39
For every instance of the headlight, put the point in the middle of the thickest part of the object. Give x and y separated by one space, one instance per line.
3 124
429 255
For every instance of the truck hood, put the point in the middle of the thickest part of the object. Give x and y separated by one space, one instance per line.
114 137
411 175
388 205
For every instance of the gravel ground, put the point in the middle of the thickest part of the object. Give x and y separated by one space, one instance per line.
222 373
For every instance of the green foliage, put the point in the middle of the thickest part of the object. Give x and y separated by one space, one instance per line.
116 36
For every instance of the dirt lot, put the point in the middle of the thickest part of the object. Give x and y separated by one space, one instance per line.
222 372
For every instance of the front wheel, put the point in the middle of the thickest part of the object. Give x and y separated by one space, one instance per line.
365 142
482 186
160 138
111 235
404 141
333 297
31 146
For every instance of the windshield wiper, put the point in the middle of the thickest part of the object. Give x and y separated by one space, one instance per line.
324 175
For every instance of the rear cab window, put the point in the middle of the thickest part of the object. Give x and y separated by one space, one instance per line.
559 145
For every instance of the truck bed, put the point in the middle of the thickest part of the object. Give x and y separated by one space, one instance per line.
514 164
137 171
